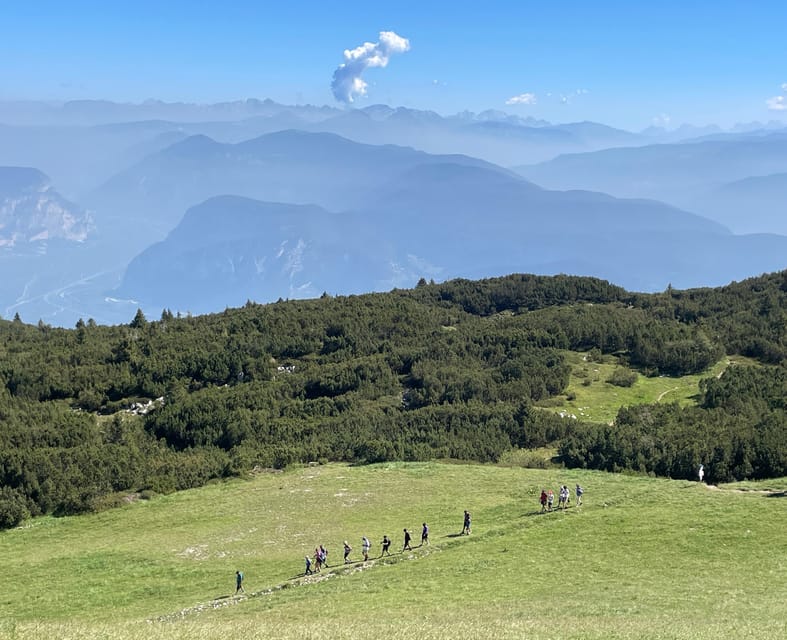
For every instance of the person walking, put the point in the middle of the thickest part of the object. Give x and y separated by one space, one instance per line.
543 500
308 571
386 546
365 545
347 549
466 524
407 539
317 560
550 500
324 556
579 491
564 495
425 535
239 583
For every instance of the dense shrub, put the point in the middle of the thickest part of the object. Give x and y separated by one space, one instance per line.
444 370
622 377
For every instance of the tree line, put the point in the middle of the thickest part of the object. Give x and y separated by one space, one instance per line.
450 370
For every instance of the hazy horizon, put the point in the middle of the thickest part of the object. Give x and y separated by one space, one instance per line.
629 67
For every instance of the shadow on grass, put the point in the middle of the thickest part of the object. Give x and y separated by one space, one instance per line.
777 494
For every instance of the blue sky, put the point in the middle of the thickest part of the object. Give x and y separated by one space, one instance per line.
622 63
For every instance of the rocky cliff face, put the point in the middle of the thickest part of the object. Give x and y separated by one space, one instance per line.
32 211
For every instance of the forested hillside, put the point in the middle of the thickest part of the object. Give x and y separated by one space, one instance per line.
453 370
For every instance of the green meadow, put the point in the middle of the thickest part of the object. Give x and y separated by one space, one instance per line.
590 397
641 558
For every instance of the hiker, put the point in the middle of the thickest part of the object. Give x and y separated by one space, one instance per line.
550 500
544 500
407 539
425 535
324 556
239 583
701 472
347 549
466 524
317 560
563 497
386 545
579 491
365 545
308 571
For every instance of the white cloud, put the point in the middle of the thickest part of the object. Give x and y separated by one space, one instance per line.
777 103
347 81
522 98
784 87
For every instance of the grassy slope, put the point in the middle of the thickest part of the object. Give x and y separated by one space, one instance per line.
600 401
643 558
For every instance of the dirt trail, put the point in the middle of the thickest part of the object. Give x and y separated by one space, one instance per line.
298 581
664 393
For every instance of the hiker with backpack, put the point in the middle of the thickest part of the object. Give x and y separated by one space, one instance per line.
579 491
365 545
543 500
386 543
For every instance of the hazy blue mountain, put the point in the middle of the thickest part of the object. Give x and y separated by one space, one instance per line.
687 175
492 135
296 167
436 220
230 249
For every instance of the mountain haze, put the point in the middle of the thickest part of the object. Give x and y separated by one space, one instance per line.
690 175
436 220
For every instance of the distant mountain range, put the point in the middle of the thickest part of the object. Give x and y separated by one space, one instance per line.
290 201
434 218
81 144
288 166
725 178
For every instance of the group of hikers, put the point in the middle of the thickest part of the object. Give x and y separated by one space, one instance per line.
564 497
320 559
